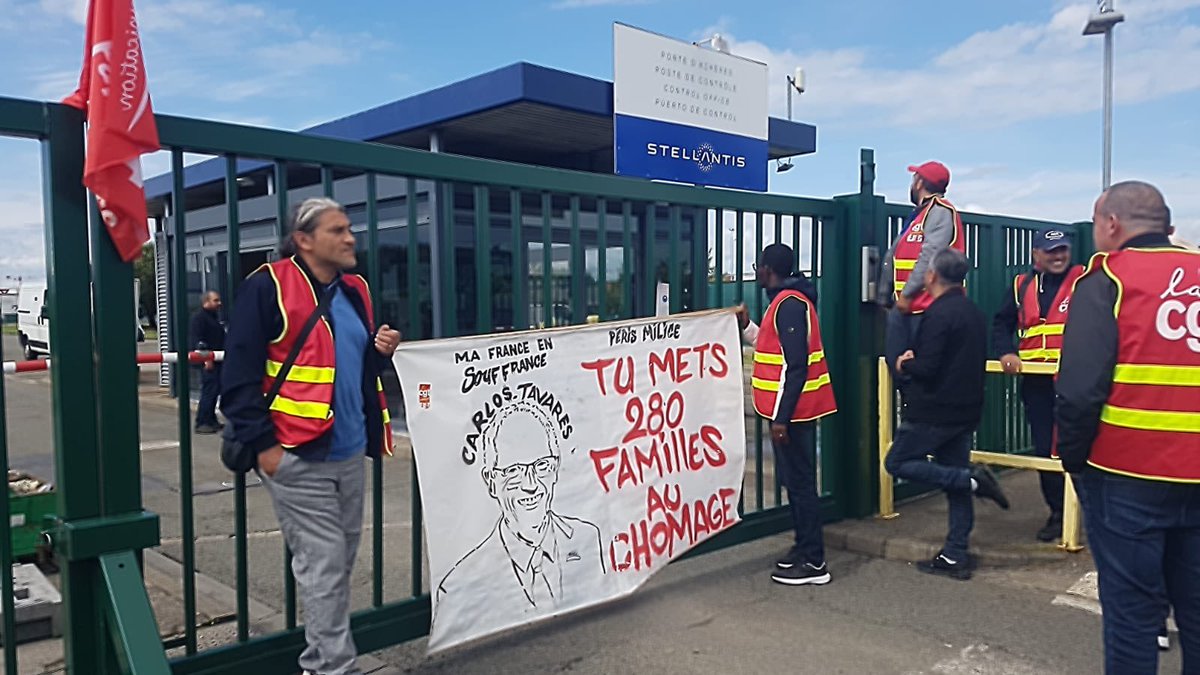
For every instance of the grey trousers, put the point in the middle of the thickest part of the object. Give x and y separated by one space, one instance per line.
320 508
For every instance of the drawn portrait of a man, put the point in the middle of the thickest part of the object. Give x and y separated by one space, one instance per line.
534 560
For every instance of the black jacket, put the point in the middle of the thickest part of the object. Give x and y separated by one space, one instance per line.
791 320
1089 354
207 331
1007 319
255 321
948 369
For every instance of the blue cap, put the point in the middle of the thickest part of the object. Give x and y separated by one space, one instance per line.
1050 238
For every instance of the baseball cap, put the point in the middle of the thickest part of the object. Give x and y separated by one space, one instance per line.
1050 238
934 173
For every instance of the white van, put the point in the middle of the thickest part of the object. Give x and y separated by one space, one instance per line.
33 319
33 323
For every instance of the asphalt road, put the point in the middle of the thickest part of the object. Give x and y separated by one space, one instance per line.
720 613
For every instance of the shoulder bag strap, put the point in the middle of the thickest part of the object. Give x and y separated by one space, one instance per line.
320 310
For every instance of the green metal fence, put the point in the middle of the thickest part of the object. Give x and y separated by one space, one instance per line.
451 246
999 249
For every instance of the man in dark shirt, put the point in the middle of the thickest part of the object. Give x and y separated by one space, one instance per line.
1052 271
787 328
208 333
942 407
1143 530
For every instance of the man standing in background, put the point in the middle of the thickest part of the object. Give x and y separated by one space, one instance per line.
1035 310
208 334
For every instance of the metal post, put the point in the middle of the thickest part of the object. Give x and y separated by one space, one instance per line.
887 509
435 262
1108 87
1103 21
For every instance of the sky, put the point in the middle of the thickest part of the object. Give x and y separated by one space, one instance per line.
1008 95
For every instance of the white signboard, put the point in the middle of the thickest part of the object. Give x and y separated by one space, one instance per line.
660 78
561 468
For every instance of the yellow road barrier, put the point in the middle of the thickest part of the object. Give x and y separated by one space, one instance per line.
887 505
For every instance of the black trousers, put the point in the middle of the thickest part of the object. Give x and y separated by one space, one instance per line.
796 471
210 389
1037 391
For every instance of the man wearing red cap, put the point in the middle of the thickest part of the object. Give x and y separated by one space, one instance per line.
933 226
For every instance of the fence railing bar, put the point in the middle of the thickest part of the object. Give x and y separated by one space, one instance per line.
181 368
375 284
234 271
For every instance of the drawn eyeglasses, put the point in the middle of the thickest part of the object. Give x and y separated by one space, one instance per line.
541 468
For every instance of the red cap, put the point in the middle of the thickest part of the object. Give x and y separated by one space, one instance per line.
934 173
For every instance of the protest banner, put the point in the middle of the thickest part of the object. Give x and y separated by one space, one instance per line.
561 468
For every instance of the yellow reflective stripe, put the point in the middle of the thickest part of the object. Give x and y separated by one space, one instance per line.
1151 420
278 301
1171 376
1044 329
777 359
764 385
378 385
901 264
809 386
1034 354
387 416
309 409
813 385
306 374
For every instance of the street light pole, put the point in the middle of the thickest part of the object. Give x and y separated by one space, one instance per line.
1108 77
1103 21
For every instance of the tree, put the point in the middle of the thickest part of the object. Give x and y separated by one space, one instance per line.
143 269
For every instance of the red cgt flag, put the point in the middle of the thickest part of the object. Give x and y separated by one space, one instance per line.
112 93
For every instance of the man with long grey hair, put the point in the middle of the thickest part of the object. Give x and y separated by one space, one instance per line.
301 388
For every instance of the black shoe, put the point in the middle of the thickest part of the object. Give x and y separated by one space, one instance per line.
1052 529
206 429
792 558
987 487
958 569
802 575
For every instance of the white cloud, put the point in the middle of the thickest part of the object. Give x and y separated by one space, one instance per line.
21 233
994 78
74 10
1065 196
200 54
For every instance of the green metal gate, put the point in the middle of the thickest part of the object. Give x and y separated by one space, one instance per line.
519 246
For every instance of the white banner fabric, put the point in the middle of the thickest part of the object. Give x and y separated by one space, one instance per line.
561 468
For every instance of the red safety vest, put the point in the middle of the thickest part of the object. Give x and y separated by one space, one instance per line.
816 400
1150 425
303 410
1041 338
908 249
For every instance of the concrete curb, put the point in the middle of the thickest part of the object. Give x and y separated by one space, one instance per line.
1001 538
904 548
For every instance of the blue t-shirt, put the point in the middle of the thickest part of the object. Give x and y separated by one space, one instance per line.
350 344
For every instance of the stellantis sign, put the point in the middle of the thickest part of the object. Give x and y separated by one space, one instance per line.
688 114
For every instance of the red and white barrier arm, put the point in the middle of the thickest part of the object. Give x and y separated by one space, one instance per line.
142 360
